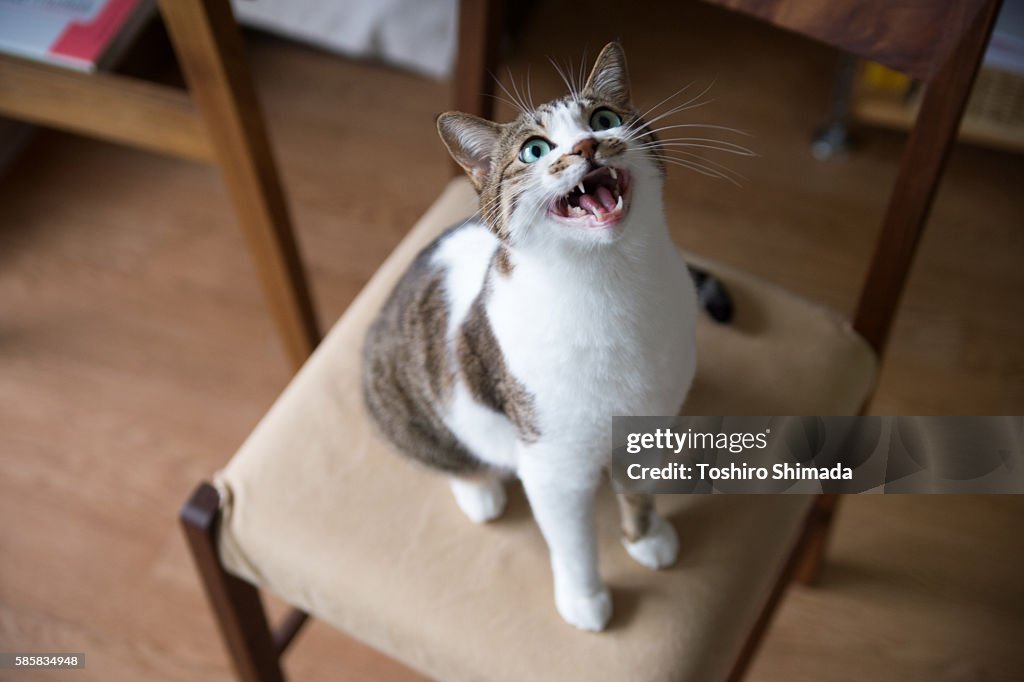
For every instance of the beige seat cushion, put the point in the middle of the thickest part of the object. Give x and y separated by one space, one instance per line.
317 510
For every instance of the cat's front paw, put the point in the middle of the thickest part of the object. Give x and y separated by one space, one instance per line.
589 612
658 548
480 500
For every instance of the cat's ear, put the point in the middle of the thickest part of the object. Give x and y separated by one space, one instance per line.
472 141
609 79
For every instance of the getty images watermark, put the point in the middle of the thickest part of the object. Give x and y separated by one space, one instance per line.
818 454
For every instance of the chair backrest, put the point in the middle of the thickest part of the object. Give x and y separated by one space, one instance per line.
940 43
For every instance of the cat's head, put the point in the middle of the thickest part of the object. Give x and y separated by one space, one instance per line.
572 169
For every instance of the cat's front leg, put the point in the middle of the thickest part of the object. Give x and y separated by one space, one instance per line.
648 537
563 505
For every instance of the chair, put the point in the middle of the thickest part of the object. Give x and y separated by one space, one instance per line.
216 120
314 509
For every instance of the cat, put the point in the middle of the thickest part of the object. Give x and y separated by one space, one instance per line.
513 338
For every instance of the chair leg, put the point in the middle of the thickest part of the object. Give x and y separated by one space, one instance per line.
817 533
211 53
236 603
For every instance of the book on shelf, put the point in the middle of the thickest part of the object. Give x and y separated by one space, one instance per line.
87 35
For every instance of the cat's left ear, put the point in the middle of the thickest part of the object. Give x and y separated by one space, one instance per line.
472 141
609 79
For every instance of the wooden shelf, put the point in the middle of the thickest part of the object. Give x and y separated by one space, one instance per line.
994 116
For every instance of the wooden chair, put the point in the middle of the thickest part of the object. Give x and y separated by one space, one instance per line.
313 509
217 120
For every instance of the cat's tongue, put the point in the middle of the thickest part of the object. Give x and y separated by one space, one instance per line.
589 203
604 195
598 203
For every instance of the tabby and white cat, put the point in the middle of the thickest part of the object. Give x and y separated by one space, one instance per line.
513 339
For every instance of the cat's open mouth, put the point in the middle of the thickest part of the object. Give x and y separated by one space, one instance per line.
599 200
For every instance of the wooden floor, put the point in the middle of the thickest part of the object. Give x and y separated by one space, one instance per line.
135 352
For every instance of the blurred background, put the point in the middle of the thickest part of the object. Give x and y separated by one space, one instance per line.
136 351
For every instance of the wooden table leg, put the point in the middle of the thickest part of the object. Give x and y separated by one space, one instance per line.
211 53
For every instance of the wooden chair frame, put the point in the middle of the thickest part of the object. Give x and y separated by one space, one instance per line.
948 65
216 120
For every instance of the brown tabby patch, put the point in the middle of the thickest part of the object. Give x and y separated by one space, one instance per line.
407 375
483 368
503 261
635 509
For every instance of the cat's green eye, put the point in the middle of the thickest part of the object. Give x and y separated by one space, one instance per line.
534 148
603 119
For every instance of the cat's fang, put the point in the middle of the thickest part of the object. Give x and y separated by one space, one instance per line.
615 173
618 204
581 188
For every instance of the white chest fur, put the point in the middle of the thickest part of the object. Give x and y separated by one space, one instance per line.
589 335
612 335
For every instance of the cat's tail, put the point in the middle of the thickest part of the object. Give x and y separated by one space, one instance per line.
712 295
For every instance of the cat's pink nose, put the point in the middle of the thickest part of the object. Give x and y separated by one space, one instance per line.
585 148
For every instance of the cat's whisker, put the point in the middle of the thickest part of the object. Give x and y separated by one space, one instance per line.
681 107
640 123
636 133
577 88
485 209
558 70
582 71
577 74
675 110
562 75
514 103
703 170
515 87
503 99
701 143
696 165
495 207
683 139
490 211
491 214
529 90
696 161
697 158
703 125
737 148
667 99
